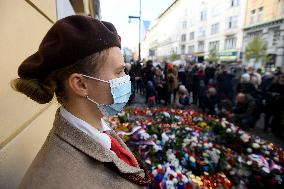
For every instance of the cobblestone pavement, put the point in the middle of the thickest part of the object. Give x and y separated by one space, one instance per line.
139 101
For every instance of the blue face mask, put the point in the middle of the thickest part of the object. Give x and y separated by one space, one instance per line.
120 90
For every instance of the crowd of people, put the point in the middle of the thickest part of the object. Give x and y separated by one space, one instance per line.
240 94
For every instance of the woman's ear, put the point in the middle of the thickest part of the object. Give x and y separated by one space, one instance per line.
78 84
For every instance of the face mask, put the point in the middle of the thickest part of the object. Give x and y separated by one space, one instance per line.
120 90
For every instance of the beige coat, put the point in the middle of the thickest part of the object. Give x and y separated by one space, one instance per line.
71 159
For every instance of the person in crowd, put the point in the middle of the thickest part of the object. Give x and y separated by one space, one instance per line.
195 84
182 98
267 80
159 83
209 102
224 83
245 86
244 113
209 73
181 74
172 84
151 93
225 107
137 73
275 104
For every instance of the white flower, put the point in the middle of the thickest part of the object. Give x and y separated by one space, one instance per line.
276 159
192 159
266 169
249 162
234 128
228 130
245 137
175 180
165 137
166 114
210 145
255 145
249 150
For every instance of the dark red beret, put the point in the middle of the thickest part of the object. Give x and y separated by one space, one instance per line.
68 40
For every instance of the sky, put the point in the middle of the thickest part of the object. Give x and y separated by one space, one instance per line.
117 12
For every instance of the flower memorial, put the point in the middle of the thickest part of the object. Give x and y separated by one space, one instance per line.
185 149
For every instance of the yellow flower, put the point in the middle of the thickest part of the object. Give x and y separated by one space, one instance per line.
202 124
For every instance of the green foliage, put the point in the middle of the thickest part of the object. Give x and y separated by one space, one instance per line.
256 49
213 55
174 57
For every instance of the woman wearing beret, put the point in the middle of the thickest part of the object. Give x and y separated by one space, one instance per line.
79 60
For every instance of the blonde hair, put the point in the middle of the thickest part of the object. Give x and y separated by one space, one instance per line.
42 91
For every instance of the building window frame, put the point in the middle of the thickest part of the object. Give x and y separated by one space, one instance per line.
182 49
260 14
252 16
214 45
203 15
183 38
201 46
235 3
215 28
230 43
191 35
202 32
232 22
190 49
184 24
282 7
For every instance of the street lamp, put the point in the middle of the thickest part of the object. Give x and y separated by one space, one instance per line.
138 17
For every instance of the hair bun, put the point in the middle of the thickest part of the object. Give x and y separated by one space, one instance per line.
37 91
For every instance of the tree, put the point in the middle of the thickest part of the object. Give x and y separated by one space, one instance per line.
213 55
256 49
174 57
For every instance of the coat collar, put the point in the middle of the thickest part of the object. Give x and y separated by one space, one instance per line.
84 143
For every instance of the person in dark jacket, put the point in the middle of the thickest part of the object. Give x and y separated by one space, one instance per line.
276 102
224 83
244 113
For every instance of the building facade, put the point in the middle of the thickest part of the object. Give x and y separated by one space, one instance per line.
266 19
200 26
162 40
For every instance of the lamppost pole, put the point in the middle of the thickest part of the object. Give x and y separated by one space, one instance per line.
138 17
139 46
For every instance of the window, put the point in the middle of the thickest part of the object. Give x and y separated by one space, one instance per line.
282 8
252 16
201 32
251 35
203 15
232 22
235 3
214 45
276 36
191 49
191 36
231 43
200 46
183 37
260 13
184 24
215 28
182 49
